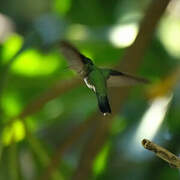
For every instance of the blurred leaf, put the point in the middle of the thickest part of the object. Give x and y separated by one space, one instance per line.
11 103
11 46
13 133
61 6
56 112
101 160
33 63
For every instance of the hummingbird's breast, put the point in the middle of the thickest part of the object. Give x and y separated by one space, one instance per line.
96 81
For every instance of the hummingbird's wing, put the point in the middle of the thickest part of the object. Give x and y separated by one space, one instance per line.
75 59
117 78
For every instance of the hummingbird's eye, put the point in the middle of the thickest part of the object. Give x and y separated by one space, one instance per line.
87 61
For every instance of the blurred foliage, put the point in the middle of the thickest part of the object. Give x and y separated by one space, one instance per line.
31 64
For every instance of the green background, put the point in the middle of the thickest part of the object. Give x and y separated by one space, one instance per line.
32 72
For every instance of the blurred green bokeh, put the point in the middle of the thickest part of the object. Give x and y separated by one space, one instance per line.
32 69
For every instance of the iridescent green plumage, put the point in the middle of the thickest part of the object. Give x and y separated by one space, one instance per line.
97 78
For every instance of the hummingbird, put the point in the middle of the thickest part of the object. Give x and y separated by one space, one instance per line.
96 78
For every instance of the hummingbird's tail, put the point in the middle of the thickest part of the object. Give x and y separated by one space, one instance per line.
103 104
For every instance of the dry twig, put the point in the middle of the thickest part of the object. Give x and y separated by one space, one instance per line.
132 59
102 124
162 153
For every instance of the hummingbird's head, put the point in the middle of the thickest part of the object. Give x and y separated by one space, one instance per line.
87 61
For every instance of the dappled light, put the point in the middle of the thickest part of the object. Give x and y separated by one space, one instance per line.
61 6
6 27
13 133
169 34
152 120
88 89
11 103
11 46
101 160
123 35
33 63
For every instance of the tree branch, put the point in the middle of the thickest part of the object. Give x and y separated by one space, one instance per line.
55 91
132 60
162 153
67 143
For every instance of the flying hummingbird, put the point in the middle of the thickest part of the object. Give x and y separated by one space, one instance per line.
95 78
